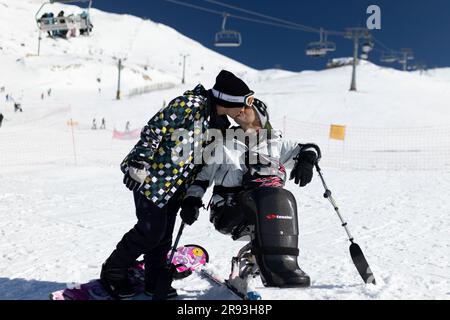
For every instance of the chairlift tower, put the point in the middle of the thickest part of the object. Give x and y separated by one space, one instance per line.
406 54
184 67
119 67
356 34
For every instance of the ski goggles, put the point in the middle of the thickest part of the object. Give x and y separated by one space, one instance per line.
246 100
263 114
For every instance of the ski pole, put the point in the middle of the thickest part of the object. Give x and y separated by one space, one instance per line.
356 253
175 244
328 196
166 278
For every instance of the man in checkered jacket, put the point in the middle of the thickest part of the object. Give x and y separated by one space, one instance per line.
158 178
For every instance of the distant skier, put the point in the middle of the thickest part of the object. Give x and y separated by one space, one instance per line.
1 119
61 16
49 92
85 17
62 20
17 107
94 124
158 181
127 126
48 19
42 96
103 125
99 80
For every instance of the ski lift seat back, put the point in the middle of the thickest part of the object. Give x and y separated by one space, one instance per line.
228 38
329 46
388 57
315 52
316 49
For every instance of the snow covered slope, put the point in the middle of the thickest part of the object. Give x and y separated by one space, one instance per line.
441 73
385 98
61 220
152 51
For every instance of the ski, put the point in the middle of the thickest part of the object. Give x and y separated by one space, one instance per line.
185 260
217 280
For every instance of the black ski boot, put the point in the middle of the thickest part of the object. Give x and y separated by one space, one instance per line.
282 271
116 282
158 284
275 239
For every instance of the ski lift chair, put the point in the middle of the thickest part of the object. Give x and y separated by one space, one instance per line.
316 50
320 48
329 46
61 25
227 38
388 58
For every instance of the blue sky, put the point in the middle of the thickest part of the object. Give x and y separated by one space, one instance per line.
421 25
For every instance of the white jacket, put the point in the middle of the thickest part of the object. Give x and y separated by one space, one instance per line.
230 170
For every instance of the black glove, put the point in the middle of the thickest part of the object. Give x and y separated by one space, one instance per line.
135 175
303 168
190 209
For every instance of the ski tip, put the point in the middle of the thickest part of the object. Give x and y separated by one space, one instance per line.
371 280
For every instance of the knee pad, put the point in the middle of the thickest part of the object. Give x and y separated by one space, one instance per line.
275 239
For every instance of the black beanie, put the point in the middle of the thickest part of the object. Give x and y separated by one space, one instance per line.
231 92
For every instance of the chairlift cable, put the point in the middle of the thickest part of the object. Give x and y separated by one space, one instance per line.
282 23
306 28
300 26
195 7
384 46
238 17
267 22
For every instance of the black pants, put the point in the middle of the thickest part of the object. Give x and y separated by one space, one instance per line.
151 236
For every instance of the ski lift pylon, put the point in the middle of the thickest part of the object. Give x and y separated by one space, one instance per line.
227 38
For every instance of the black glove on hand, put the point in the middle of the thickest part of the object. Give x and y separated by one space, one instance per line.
135 175
190 209
303 168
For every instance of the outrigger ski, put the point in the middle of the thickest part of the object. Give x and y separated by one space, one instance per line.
219 281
